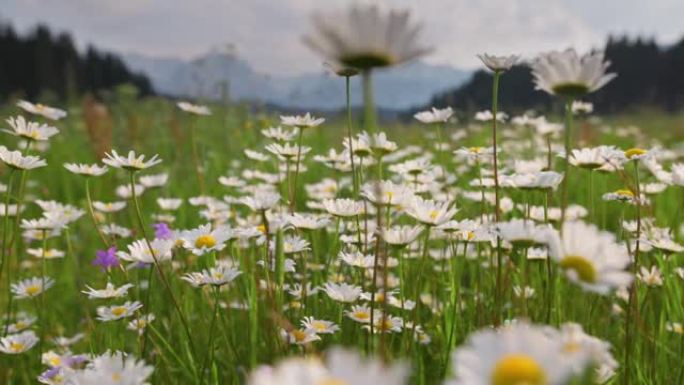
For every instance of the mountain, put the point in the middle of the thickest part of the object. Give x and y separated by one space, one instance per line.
210 75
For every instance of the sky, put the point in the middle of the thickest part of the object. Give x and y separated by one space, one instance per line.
268 33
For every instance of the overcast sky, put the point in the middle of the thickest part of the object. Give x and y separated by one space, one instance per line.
268 32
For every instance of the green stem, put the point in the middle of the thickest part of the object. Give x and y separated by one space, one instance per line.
350 135
92 213
369 118
293 201
566 159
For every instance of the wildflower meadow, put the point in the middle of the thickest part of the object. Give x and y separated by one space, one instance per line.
158 241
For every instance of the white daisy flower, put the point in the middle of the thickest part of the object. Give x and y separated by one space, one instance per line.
17 161
567 74
132 162
319 326
86 169
430 212
215 276
18 343
591 257
31 287
114 368
301 121
139 251
139 324
498 63
435 115
203 239
30 130
196 109
342 292
365 37
109 207
110 291
42 110
116 312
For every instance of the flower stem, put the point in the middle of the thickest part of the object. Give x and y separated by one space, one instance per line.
293 201
355 180
92 213
566 159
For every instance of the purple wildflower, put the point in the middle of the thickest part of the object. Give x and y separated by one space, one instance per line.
106 258
162 231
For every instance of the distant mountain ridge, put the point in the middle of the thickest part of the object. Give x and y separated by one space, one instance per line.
208 76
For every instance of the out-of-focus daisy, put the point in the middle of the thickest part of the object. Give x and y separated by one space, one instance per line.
196 109
30 130
591 257
578 344
18 343
139 324
523 233
343 207
567 74
132 162
342 292
515 354
435 115
139 251
674 327
86 169
45 253
17 161
42 110
110 291
580 107
308 222
430 212
116 312
365 37
488 116
300 336
157 180
400 235
121 369
498 63
319 326
215 276
31 287
543 180
279 134
109 207
387 193
301 121
650 277
169 204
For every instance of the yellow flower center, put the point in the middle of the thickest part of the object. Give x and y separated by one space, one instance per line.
475 150
33 289
518 369
469 235
583 267
55 361
262 229
434 214
20 325
632 152
385 325
116 377
206 240
332 381
319 326
119 311
572 347
299 335
362 315
625 193
17 347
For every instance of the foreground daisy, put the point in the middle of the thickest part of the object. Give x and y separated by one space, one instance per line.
31 287
86 169
17 161
513 355
590 257
203 239
114 368
115 312
42 110
18 343
30 130
568 74
365 37
340 367
131 162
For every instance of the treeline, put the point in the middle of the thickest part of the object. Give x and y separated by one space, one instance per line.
41 63
648 75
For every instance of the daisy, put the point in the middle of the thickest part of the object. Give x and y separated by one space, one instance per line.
47 253
110 291
674 327
23 322
678 174
365 37
590 257
194 108
342 292
114 368
319 326
17 161
126 192
300 336
293 244
287 151
42 110
386 324
430 212
515 354
488 116
301 121
602 157
308 221
378 143
30 130
130 162
109 207
475 153
357 259
279 134
86 169
139 251
580 107
139 324
116 230
498 63
435 115
386 193
543 180
400 236
578 344
343 207
215 276
116 312
256 155
650 277
151 181
31 287
567 74
203 239
18 343
523 233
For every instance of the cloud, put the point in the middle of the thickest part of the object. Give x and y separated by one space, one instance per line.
268 32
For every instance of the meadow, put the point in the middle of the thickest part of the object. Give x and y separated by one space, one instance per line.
249 247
